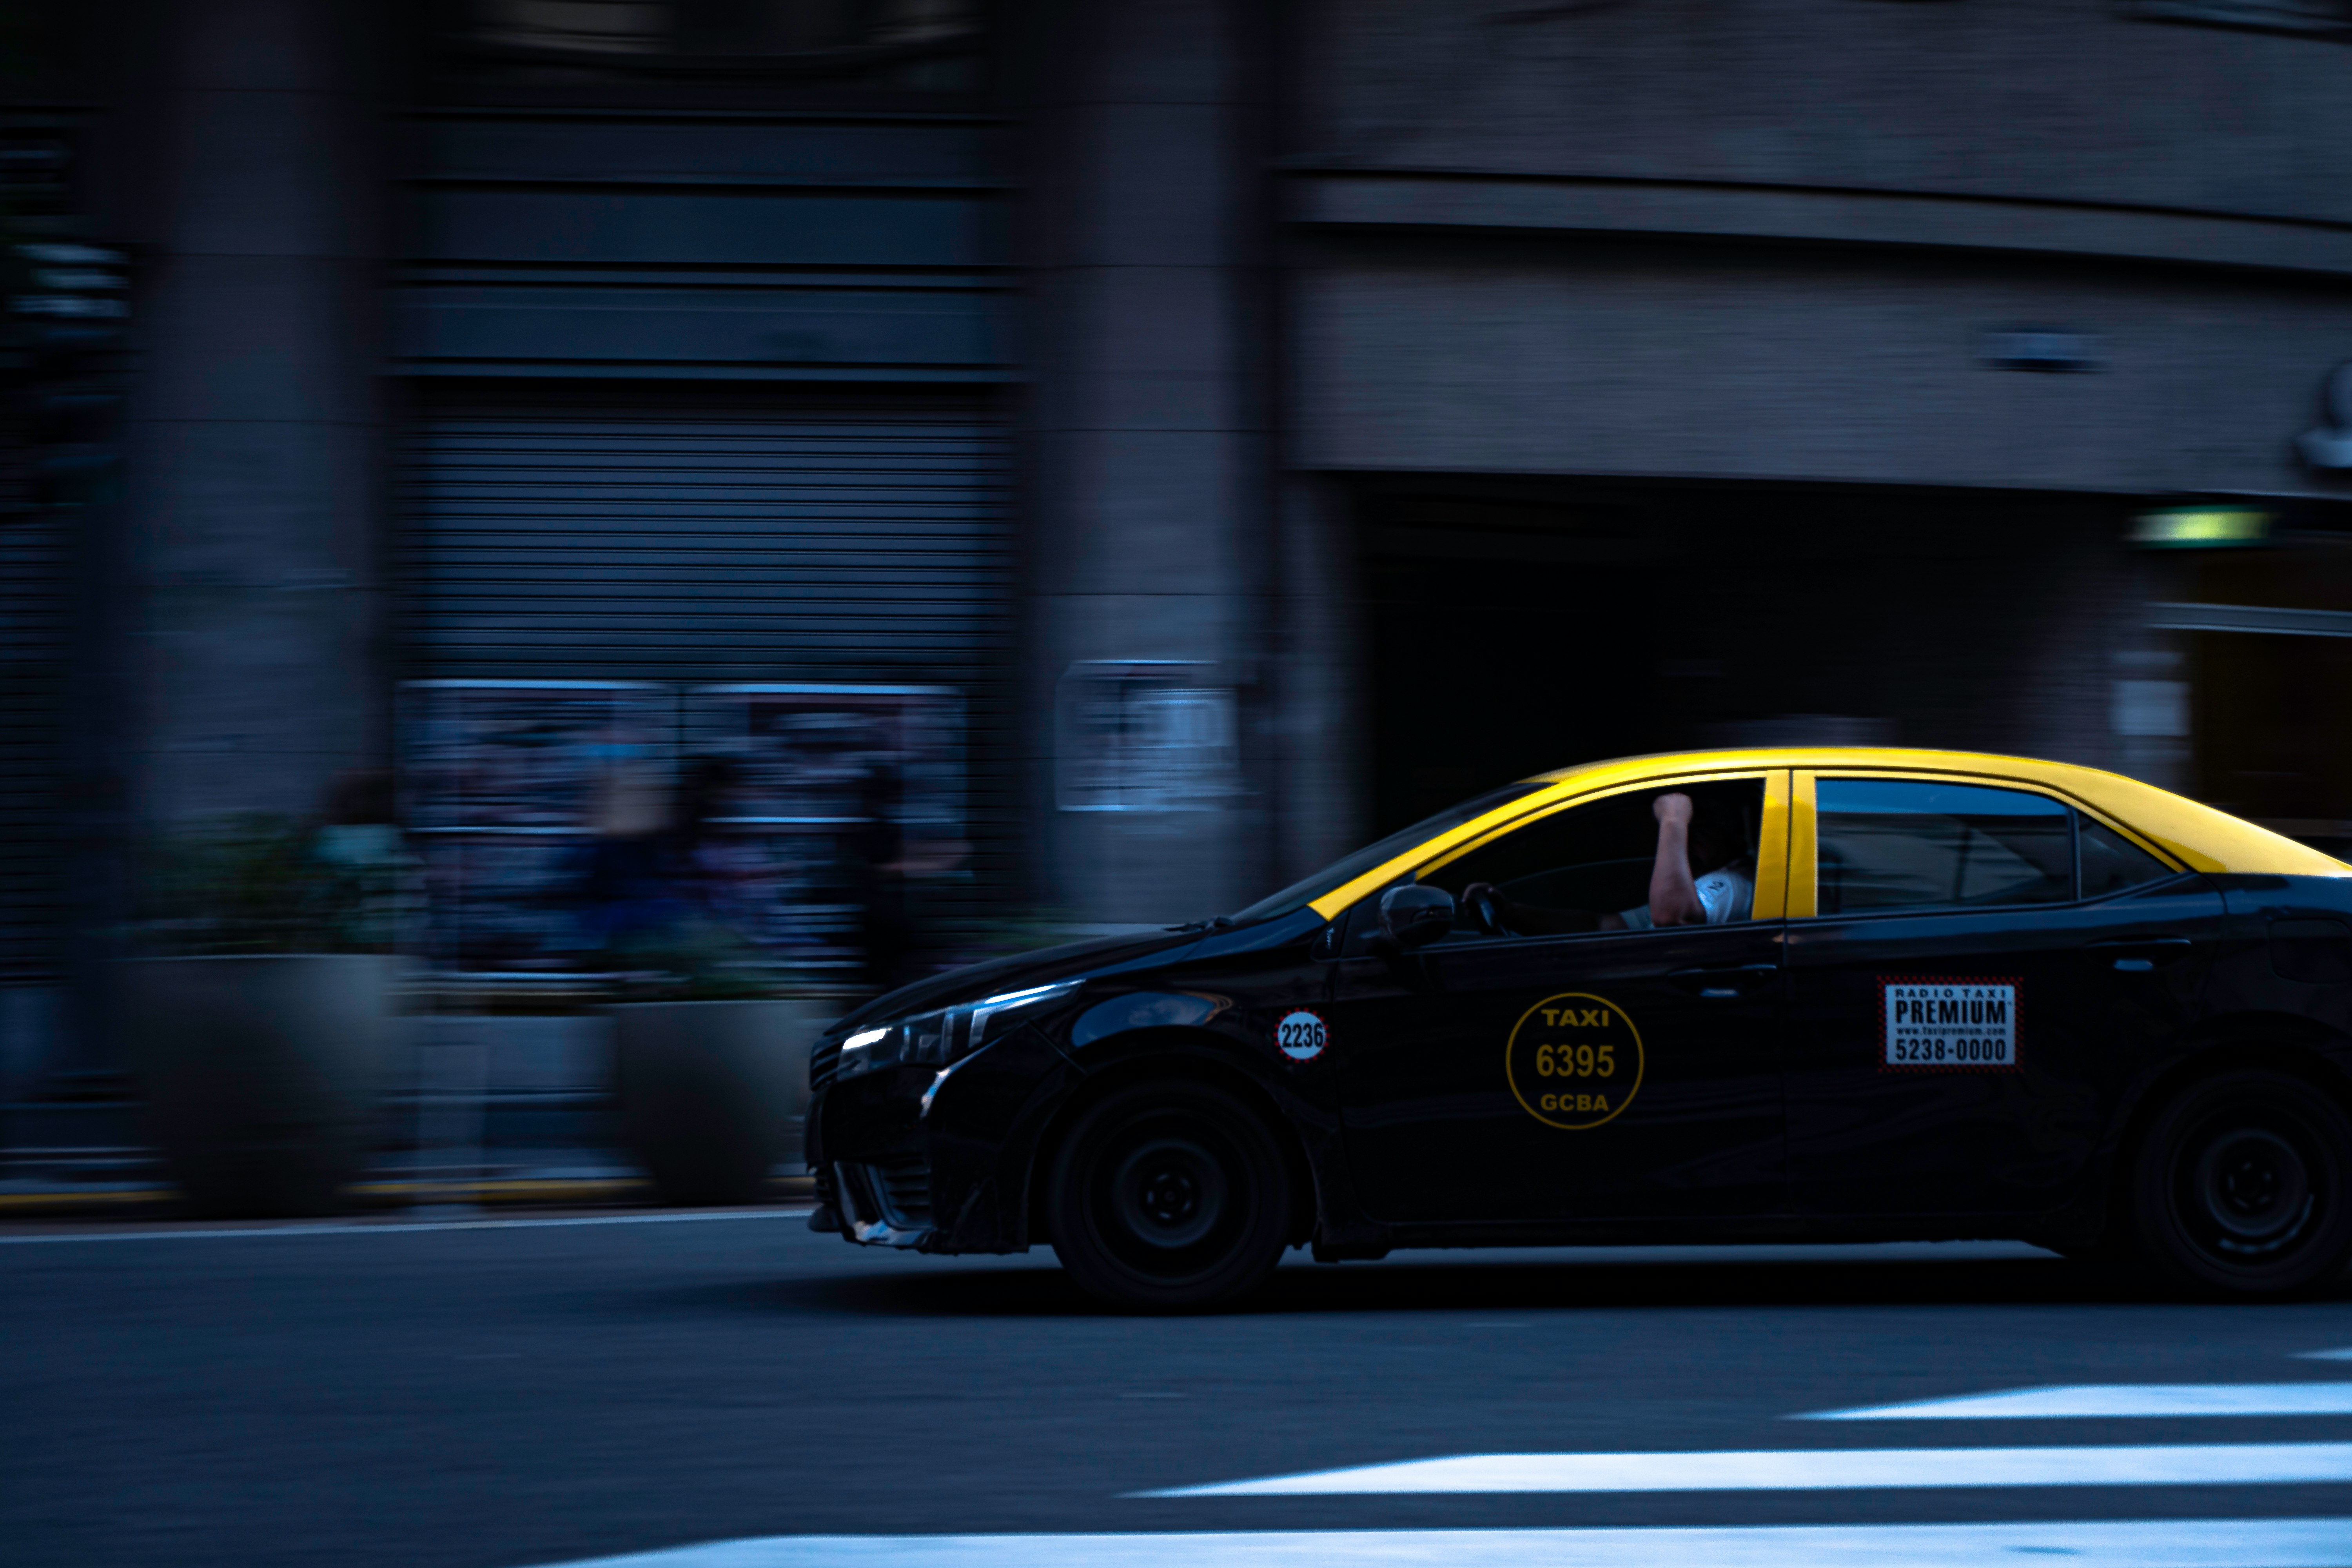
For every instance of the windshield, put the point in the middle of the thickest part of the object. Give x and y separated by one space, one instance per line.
1340 873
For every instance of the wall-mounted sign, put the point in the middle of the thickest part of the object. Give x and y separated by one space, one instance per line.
2330 445
1145 735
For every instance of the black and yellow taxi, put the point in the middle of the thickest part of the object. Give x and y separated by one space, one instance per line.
1753 995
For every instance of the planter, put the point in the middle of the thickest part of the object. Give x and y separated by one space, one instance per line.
261 1074
709 1092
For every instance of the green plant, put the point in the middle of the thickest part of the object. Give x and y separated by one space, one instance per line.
259 883
697 959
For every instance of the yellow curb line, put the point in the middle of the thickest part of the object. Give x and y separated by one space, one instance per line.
585 1187
81 1200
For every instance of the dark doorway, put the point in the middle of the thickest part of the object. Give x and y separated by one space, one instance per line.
1519 627
2267 745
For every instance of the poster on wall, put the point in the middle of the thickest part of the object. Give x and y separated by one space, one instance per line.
828 792
552 817
505 784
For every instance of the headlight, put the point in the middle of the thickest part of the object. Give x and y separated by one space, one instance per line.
947 1036
857 1053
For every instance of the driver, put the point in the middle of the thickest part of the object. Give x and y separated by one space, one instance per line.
1701 875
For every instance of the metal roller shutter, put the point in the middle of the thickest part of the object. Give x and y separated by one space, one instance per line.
707 541
697 538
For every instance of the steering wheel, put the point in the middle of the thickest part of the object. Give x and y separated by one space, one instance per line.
1478 902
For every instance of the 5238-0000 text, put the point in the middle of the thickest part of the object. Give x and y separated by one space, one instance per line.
1932 1051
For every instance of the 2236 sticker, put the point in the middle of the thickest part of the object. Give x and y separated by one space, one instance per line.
1301 1034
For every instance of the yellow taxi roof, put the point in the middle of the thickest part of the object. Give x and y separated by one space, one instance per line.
2191 835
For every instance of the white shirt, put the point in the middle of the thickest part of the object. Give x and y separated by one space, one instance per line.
1726 895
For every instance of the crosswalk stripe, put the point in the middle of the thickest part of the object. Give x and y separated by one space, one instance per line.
2106 1543
2115 1399
1815 1469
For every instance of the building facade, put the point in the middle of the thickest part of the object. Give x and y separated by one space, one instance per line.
1177 440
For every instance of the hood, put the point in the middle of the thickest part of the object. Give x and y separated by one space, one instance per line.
1014 972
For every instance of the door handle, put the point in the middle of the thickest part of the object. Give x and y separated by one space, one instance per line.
2141 954
1722 985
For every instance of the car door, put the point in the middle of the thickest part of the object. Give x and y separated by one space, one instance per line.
1973 964
1504 1077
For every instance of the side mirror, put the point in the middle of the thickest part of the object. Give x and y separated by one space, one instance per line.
1415 916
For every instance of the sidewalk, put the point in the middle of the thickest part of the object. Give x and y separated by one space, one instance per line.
128 1182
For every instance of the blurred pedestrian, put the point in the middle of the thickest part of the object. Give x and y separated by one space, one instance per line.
708 867
624 884
878 867
890 862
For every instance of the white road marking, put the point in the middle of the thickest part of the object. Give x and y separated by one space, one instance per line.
1816 1469
2344 1355
400 1228
2115 1399
2106 1543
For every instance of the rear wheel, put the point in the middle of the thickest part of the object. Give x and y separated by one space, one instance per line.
1168 1197
2241 1187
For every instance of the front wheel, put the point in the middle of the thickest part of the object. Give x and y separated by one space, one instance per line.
1169 1198
2241 1188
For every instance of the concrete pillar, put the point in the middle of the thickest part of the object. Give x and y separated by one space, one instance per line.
1152 549
254 487
1320 718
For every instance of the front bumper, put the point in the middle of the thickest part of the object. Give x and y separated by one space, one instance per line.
885 1203
948 1176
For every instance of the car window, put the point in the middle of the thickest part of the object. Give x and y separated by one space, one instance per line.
1893 844
2112 862
1588 868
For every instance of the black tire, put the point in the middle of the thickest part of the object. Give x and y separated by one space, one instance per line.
2241 1187
1169 1196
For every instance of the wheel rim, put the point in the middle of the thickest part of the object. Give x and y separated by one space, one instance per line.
2248 1190
1171 1197
1169 1193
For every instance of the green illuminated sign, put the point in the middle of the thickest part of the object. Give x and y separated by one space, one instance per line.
2200 528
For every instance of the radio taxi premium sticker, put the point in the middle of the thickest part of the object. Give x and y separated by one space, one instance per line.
1301 1035
1574 1061
1926 1023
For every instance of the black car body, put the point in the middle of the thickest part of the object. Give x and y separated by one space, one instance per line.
1971 997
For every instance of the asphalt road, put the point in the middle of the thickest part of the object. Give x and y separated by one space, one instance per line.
501 1395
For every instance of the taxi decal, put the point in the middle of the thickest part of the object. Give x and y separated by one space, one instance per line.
1302 1034
1927 1022
1574 1061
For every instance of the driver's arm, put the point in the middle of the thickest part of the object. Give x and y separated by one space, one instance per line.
1673 895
